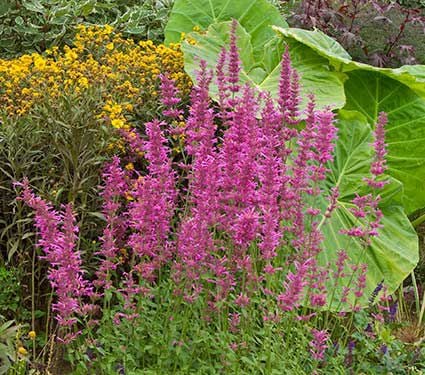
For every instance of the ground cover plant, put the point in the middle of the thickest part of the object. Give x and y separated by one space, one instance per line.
259 226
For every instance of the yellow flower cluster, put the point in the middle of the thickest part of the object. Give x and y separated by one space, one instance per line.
125 72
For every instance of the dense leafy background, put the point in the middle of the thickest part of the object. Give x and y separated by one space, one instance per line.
34 25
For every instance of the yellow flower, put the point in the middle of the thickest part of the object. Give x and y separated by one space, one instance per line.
127 73
117 123
83 82
129 166
22 350
32 335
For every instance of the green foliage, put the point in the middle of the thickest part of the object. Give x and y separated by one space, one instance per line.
411 75
61 149
262 71
255 16
399 92
394 253
8 332
171 336
10 296
34 25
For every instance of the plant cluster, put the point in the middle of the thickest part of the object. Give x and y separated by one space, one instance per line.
352 23
230 236
59 112
259 227
36 25
127 72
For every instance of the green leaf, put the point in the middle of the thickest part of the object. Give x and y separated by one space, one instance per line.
264 73
19 21
318 41
410 75
87 7
371 93
34 6
394 253
369 90
6 6
256 17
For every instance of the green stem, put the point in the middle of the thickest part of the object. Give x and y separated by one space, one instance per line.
33 299
416 291
421 314
418 221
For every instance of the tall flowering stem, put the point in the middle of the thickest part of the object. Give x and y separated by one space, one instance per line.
318 345
169 97
151 212
115 187
58 237
271 170
367 206
379 166
195 241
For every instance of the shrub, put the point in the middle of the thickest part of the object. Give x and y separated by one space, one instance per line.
36 25
126 72
352 23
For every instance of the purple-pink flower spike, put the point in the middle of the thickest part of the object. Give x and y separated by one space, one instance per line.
169 97
234 60
318 345
58 237
151 212
378 166
114 189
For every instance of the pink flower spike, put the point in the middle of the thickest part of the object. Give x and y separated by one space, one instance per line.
318 345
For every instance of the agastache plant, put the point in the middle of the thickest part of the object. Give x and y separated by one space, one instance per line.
236 222
58 240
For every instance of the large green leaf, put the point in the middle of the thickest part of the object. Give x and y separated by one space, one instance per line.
370 93
399 92
412 76
316 77
256 17
394 253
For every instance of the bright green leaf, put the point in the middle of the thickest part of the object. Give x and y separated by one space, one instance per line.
264 73
371 93
256 17
394 253
410 75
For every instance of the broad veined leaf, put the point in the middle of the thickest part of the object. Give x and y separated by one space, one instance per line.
256 16
316 77
394 253
412 76
371 93
399 92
